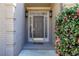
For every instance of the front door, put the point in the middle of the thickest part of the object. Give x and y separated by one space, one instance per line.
38 27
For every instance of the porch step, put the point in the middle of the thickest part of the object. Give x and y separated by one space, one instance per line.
37 53
36 46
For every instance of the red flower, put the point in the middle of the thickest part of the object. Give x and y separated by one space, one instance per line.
65 18
77 12
75 16
58 52
57 42
77 40
57 39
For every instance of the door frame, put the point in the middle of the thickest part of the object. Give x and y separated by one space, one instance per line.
30 15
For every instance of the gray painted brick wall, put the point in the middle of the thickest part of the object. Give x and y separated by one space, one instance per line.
11 30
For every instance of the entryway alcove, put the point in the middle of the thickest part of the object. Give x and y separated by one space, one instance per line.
38 26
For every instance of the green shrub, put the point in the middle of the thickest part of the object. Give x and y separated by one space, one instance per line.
67 32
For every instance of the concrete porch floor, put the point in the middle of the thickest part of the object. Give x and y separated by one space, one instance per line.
37 53
31 49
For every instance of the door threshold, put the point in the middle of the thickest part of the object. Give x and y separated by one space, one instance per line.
38 43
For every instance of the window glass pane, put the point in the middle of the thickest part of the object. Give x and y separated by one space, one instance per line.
30 27
45 27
